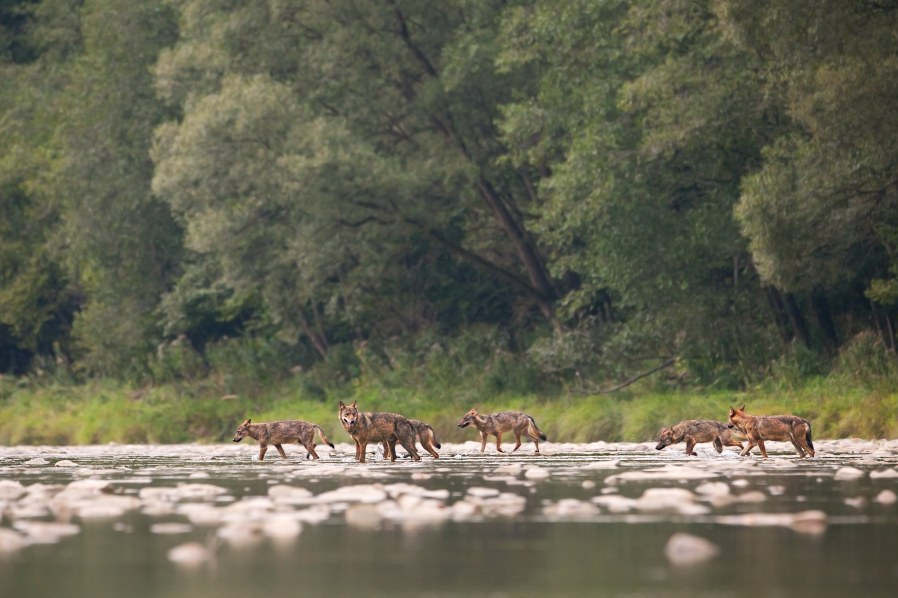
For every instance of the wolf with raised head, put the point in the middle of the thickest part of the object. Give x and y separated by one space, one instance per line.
388 428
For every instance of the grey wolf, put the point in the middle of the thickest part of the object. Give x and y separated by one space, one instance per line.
281 432
426 436
388 428
757 429
693 431
497 424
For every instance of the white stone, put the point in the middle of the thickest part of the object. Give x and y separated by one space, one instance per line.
191 555
170 528
537 473
848 473
685 550
11 489
570 508
886 497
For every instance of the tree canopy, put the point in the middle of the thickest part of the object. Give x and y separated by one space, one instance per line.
605 185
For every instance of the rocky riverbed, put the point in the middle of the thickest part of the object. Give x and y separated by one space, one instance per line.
198 509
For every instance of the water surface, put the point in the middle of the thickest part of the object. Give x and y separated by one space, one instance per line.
578 520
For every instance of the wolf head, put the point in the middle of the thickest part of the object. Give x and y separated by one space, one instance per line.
348 414
242 430
737 416
468 419
665 438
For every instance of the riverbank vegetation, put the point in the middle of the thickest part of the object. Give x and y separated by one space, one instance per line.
858 397
598 205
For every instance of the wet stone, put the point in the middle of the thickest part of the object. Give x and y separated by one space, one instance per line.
683 550
190 555
849 474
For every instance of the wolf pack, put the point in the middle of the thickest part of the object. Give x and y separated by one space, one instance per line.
389 429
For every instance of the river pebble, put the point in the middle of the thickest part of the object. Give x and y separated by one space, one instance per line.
812 522
170 528
849 474
570 509
190 555
666 472
886 497
46 532
11 489
537 473
11 541
684 550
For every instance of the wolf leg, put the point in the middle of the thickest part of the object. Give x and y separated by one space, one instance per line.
262 449
310 447
391 452
499 442
718 444
747 449
763 449
536 445
797 445
690 444
409 445
360 447
281 451
483 442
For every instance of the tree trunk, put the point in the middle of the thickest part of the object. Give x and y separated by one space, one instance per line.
821 311
542 289
799 326
780 313
317 340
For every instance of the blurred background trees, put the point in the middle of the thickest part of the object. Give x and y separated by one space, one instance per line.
571 193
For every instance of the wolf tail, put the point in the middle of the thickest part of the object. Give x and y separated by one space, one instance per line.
535 431
808 438
433 435
324 438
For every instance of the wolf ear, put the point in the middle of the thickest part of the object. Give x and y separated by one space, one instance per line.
742 408
353 404
246 421
342 405
732 411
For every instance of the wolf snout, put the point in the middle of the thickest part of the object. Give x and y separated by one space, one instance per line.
237 439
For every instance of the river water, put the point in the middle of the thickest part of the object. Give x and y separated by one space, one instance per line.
597 519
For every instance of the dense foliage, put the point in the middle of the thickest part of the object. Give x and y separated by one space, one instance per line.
559 193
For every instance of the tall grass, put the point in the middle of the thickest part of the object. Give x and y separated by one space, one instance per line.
108 412
438 381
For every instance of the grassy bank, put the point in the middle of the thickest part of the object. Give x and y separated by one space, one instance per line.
104 411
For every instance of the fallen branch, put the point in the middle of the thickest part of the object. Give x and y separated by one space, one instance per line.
669 362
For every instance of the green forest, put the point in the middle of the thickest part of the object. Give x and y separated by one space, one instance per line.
450 199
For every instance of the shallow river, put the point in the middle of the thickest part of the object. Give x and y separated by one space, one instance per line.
579 520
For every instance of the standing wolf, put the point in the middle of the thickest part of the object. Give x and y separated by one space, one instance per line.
280 432
377 427
426 436
757 429
498 423
694 431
